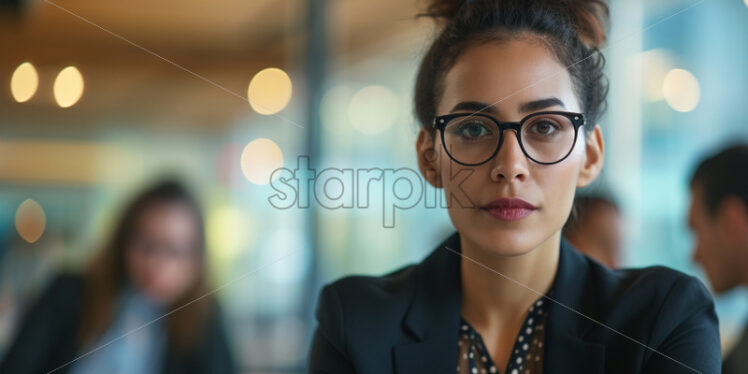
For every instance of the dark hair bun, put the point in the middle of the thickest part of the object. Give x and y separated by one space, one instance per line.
573 30
591 18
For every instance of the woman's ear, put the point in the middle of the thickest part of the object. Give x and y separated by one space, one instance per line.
594 157
428 162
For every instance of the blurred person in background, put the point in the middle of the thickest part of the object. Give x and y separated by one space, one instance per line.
718 217
140 307
508 96
595 228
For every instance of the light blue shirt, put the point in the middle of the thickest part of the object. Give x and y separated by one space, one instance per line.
135 342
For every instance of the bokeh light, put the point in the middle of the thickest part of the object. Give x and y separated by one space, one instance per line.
681 90
333 113
654 64
30 220
229 232
68 87
259 159
269 91
24 82
333 108
373 109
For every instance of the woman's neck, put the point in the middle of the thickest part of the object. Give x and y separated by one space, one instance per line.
500 289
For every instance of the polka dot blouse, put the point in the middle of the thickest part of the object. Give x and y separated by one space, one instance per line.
527 354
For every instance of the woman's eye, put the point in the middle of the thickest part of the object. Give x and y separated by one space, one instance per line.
544 127
473 130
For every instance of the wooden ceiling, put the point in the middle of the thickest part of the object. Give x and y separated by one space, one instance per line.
122 48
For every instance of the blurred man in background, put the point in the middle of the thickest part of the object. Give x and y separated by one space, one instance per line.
718 217
595 228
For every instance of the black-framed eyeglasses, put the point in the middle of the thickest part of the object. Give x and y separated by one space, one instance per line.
472 139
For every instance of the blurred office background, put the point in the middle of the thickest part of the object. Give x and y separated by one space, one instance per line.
101 97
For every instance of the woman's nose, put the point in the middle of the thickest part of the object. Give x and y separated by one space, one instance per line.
510 162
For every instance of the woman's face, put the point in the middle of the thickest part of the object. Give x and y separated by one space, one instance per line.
511 79
162 258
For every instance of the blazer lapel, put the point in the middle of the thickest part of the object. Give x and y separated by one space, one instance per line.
434 315
567 353
571 317
433 318
433 355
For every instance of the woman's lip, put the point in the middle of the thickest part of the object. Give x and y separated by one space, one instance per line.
509 203
508 214
509 209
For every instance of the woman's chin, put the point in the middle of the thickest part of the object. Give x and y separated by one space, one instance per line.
504 243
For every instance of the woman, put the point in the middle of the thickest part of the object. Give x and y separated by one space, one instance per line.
510 92
139 308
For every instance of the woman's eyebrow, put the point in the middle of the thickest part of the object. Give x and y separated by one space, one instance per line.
474 106
534 105
530 106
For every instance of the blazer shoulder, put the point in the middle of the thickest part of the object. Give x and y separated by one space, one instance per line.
64 292
378 300
370 296
659 281
388 285
673 294
46 332
676 316
67 282
658 294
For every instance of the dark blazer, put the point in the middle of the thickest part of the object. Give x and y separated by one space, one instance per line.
407 321
47 337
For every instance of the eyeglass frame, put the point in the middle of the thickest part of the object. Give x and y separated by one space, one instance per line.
577 120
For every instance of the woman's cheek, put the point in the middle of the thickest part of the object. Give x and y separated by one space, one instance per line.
558 190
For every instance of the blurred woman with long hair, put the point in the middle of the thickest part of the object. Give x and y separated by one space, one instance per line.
140 307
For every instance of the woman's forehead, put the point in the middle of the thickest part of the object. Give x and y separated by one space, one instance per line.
507 75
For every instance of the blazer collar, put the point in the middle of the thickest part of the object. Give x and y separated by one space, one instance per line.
433 317
435 308
434 314
571 314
